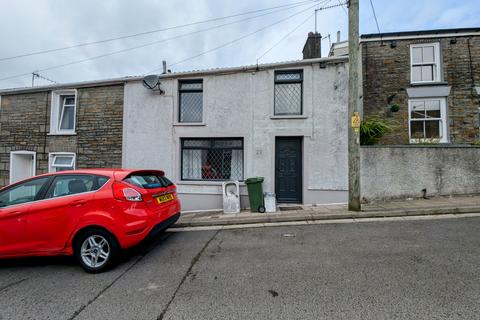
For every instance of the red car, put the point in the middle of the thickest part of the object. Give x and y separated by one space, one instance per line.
91 214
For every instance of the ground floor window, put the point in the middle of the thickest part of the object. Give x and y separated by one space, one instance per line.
212 159
61 161
427 120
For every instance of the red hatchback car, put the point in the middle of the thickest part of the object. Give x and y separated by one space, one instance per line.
91 214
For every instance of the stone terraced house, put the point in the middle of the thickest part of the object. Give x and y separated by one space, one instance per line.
61 127
426 82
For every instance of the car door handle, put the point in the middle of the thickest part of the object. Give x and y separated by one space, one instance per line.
78 203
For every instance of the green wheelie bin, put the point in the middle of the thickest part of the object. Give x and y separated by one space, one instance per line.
255 194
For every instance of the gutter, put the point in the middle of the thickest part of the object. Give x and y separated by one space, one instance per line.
83 84
390 37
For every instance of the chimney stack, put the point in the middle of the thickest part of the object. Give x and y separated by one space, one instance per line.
338 36
313 46
164 64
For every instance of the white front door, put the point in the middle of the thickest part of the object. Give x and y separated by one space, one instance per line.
22 165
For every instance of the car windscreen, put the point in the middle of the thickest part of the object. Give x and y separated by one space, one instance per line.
148 180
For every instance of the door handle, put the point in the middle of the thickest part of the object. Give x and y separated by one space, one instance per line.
78 203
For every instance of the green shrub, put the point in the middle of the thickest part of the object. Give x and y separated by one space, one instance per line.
373 129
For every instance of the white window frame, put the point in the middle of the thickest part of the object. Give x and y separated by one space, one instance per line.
437 70
443 119
57 110
51 159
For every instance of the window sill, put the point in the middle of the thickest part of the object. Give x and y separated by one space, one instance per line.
288 117
427 142
62 134
429 83
189 124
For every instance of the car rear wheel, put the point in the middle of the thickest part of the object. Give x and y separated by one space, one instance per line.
96 250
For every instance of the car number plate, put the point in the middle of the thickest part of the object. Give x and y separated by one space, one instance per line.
165 198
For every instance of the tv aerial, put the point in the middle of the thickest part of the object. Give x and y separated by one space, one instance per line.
152 82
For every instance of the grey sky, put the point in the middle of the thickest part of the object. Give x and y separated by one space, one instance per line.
32 25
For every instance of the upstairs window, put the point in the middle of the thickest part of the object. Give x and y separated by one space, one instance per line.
212 159
288 92
428 120
425 62
67 115
61 161
190 98
63 112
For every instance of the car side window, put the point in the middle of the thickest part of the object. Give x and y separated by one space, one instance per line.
65 185
22 193
101 180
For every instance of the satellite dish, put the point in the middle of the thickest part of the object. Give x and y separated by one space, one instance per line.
152 82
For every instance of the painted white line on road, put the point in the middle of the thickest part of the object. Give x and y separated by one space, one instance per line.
333 221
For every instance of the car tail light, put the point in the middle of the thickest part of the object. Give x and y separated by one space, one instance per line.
126 193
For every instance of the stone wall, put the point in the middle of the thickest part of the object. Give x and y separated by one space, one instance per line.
386 75
25 123
99 130
23 126
389 172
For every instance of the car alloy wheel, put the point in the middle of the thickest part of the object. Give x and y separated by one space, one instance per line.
95 251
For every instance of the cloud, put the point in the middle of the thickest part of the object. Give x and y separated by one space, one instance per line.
28 26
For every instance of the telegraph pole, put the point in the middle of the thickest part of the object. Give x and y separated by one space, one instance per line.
354 108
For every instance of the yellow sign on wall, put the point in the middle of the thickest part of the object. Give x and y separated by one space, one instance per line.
356 120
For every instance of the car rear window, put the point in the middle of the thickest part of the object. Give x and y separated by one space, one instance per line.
148 180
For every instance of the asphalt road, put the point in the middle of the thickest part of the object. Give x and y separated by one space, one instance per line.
424 269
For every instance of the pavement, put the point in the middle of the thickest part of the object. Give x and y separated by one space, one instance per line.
420 268
288 213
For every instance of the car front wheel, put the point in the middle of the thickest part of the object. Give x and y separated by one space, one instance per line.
96 250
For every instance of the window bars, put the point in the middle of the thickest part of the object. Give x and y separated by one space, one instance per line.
212 159
288 92
190 97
